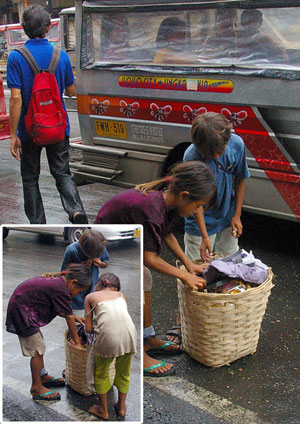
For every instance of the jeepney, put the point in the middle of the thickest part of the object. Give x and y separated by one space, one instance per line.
13 36
135 111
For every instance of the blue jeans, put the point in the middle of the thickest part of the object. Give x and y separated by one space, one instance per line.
58 160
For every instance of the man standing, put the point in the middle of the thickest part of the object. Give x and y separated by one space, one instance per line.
36 23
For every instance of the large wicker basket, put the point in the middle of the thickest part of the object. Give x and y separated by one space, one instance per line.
75 369
220 328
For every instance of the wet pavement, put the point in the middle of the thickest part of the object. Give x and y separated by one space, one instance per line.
29 254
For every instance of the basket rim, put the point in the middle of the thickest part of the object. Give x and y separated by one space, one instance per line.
266 284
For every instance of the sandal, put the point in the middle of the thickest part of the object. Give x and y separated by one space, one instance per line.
147 372
175 331
54 383
119 416
43 396
162 350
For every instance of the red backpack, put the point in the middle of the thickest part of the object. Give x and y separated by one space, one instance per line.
46 119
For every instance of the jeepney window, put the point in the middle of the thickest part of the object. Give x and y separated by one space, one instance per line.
70 32
17 36
201 37
53 33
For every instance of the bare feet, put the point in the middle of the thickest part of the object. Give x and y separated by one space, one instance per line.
120 410
149 362
156 343
97 410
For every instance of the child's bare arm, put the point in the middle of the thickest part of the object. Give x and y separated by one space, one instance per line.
88 315
72 328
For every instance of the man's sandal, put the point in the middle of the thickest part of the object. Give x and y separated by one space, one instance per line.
162 350
147 372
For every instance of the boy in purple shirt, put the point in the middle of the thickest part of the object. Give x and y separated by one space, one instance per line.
34 304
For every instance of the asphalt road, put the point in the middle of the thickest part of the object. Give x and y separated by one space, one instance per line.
26 255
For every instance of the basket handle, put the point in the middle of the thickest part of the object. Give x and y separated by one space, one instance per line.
178 263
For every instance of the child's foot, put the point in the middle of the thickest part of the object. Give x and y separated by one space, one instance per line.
157 345
96 410
152 366
120 410
42 393
174 334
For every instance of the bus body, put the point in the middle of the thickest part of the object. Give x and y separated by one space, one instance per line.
135 111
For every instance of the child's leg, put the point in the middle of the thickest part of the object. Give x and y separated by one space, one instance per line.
121 381
102 385
34 347
226 243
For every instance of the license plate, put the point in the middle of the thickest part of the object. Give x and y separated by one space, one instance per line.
137 233
114 129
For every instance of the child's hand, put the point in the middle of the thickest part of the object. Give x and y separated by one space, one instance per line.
197 268
194 282
81 320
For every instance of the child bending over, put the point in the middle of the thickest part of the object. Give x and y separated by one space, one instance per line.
116 338
34 304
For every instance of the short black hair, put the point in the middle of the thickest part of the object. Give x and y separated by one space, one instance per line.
35 21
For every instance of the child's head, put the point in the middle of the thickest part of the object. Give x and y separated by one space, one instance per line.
108 280
92 243
210 134
193 179
78 278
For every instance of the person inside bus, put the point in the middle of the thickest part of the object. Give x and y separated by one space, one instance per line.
171 41
254 44
222 43
114 38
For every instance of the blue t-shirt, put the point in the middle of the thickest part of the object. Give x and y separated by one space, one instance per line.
19 75
230 165
74 255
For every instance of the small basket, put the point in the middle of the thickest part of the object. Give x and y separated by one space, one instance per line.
220 328
75 369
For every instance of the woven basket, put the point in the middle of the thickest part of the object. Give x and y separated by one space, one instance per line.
75 369
220 328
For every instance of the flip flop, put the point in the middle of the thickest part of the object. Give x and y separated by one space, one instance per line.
120 417
174 331
98 416
54 382
147 372
162 349
42 397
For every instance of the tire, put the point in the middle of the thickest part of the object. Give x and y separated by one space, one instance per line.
5 232
72 234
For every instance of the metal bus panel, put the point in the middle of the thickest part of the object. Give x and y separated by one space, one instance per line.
135 111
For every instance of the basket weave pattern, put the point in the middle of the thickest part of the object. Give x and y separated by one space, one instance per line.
75 367
220 328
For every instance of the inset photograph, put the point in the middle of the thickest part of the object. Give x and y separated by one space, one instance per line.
72 323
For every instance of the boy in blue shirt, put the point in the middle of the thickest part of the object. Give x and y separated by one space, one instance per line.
36 23
218 229
90 250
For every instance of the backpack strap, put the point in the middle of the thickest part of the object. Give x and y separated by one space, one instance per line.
29 58
54 60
